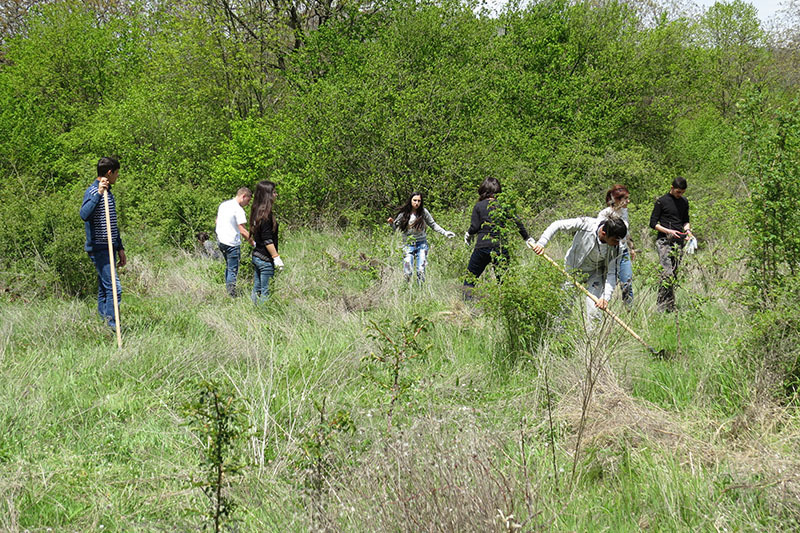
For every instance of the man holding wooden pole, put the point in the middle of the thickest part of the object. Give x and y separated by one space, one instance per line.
103 241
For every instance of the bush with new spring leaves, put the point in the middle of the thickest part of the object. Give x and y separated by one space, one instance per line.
219 419
527 302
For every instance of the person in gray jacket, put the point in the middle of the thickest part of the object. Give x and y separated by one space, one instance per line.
412 220
594 252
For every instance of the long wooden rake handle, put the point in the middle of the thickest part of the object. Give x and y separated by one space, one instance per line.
113 269
594 298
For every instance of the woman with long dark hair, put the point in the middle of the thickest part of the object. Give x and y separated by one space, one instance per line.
264 229
489 246
617 199
412 220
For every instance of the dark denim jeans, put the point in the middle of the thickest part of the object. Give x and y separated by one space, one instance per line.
480 259
231 254
105 291
262 273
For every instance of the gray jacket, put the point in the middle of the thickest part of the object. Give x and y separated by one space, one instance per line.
583 243
420 234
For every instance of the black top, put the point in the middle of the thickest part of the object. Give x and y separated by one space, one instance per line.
670 212
488 230
263 235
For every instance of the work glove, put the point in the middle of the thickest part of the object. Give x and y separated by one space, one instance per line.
449 234
530 243
278 262
467 238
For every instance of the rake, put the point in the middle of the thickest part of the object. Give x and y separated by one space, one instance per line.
661 354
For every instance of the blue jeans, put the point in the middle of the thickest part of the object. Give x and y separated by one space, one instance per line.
415 256
231 255
625 277
105 291
262 272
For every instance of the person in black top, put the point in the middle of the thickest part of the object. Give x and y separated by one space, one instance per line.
670 218
264 230
489 246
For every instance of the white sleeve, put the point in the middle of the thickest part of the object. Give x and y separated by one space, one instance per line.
241 217
567 224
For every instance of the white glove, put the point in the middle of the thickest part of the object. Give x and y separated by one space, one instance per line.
449 234
530 243
467 238
278 262
691 246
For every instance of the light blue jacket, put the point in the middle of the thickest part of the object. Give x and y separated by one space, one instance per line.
585 241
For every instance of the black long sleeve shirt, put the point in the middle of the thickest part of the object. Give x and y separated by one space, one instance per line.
670 212
488 230
264 235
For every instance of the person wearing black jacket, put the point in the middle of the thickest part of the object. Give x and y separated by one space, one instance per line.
670 217
489 245
264 230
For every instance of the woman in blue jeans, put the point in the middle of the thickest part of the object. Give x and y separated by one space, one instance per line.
412 220
617 199
264 229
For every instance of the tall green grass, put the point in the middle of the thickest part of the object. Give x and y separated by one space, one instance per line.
94 440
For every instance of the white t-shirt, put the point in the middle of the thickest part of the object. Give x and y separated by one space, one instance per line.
229 215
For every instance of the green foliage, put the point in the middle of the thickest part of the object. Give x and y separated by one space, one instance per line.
527 302
772 220
349 109
771 346
43 242
774 212
219 420
397 349
316 464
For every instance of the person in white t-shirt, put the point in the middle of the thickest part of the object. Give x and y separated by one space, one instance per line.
231 227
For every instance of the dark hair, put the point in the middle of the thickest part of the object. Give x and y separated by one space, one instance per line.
202 236
405 213
615 227
261 210
489 188
105 164
616 192
679 183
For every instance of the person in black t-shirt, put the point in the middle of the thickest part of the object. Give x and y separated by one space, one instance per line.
670 218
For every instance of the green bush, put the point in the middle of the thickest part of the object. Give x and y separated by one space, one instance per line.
529 299
42 239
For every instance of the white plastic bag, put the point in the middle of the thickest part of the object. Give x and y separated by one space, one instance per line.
691 246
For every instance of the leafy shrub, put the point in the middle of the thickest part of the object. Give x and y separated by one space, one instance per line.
772 347
42 239
529 299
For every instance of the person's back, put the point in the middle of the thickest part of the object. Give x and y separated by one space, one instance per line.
229 215
230 227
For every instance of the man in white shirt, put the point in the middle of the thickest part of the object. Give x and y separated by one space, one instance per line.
594 252
231 227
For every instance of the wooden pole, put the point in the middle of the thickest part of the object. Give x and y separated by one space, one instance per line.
113 268
594 298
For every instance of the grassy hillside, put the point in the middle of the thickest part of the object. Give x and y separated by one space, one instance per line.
581 433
